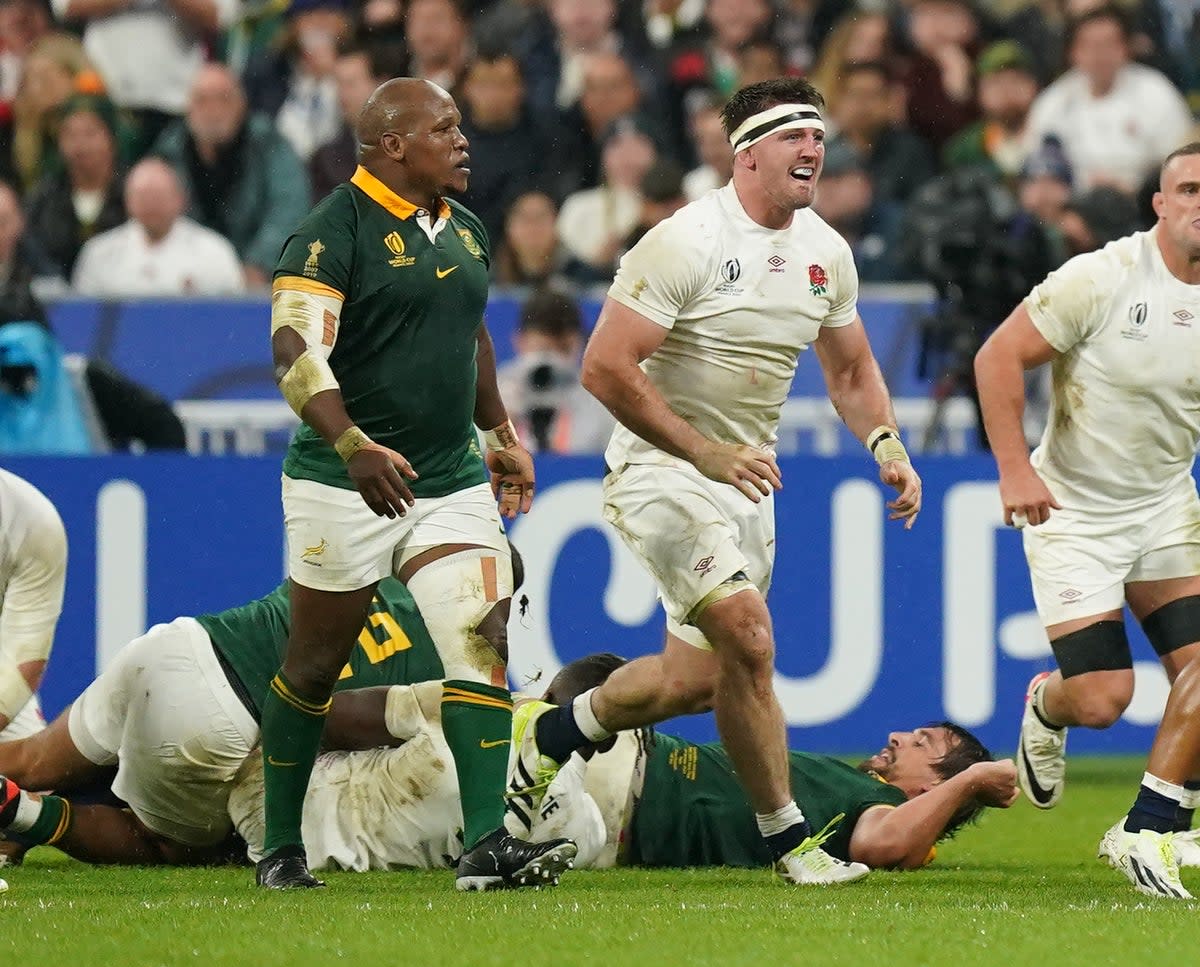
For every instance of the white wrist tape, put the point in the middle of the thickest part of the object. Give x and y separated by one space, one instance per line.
885 445
502 437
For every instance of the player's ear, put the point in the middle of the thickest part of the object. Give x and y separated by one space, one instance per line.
1159 201
393 145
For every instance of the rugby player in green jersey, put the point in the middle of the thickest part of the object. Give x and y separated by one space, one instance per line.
178 711
380 347
643 799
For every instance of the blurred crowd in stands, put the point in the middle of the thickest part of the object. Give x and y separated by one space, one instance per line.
167 147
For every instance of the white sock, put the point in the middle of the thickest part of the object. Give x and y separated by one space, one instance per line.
586 719
1190 798
28 811
1163 788
1040 708
784 818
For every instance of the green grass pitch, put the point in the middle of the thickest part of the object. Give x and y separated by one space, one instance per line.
1023 887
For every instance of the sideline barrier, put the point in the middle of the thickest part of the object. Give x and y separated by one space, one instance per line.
878 628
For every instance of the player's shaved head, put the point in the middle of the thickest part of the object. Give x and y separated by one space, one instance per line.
397 106
1187 151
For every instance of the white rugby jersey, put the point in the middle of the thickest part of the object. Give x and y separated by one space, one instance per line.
1125 409
33 571
741 301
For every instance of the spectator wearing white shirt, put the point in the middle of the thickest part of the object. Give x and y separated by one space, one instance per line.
157 252
1115 119
148 51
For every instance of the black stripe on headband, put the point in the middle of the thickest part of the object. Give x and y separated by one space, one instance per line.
768 126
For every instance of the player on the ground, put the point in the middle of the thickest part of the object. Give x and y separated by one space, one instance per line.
33 575
694 352
178 711
380 347
643 799
1108 496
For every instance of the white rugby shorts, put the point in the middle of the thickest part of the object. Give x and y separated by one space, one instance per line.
1080 561
691 533
166 715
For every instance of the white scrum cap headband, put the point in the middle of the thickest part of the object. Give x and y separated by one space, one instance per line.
781 117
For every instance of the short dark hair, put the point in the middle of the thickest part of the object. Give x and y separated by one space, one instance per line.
493 53
1192 147
963 750
552 312
578 676
758 97
1109 11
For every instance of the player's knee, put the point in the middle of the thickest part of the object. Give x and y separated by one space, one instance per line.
1100 711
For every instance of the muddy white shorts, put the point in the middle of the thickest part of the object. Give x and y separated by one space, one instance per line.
337 543
1080 561
166 715
691 533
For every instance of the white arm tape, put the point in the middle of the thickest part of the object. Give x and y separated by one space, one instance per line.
314 317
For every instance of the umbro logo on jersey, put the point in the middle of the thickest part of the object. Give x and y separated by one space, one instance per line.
1183 318
777 263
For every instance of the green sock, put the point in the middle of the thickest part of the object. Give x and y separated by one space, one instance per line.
477 722
52 821
291 736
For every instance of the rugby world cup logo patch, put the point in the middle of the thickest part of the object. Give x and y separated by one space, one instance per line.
731 271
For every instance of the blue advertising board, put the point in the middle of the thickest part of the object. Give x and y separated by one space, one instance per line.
878 628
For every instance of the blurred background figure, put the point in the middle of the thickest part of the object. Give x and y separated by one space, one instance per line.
529 252
662 196
1115 119
938 80
158 251
846 199
438 42
551 410
54 68
508 149
711 149
241 177
859 37
148 52
294 83
20 263
86 196
356 77
1007 87
898 160
594 222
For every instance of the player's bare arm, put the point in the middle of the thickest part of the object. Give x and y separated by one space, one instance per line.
1000 368
902 837
509 463
860 396
621 340
300 340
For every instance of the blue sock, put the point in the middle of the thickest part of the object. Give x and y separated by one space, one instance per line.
1183 818
1152 810
558 734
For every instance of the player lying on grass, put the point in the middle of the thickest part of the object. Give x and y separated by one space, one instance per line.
178 712
1156 838
645 800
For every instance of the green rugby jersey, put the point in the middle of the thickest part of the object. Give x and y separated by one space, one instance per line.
405 350
694 812
394 647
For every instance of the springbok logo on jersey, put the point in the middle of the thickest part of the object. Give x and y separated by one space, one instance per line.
731 271
470 244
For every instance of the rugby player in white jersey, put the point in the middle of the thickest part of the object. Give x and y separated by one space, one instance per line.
1108 496
33 574
694 353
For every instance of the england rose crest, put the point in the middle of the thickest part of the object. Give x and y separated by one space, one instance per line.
817 280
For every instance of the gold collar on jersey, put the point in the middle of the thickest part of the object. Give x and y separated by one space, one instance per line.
382 195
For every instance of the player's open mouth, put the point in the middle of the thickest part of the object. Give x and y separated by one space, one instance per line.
803 173
464 165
